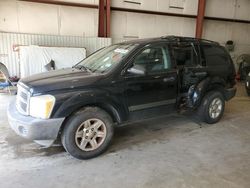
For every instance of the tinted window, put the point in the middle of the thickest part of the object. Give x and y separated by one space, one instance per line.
154 59
215 55
185 55
107 58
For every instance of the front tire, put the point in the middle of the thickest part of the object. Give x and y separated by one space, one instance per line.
87 133
212 107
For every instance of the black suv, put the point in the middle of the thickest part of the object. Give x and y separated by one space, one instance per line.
120 84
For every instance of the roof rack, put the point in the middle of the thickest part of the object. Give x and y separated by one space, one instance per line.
178 38
208 41
186 39
171 38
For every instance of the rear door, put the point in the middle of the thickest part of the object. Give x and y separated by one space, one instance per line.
190 64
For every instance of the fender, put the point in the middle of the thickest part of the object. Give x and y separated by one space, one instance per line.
72 102
197 92
217 81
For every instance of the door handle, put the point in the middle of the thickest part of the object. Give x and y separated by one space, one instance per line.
170 79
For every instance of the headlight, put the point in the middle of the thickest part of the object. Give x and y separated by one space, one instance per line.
42 106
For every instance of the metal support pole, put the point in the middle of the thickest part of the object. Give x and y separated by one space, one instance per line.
108 14
104 18
200 18
101 25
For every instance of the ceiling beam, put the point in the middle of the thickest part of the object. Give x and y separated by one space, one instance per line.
64 3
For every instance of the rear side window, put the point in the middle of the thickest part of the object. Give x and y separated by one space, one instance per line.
185 54
215 55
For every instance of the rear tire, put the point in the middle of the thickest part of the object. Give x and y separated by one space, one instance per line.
247 90
212 107
248 93
88 133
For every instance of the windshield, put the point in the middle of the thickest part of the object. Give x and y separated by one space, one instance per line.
105 59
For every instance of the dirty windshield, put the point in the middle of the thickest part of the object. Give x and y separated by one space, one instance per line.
105 59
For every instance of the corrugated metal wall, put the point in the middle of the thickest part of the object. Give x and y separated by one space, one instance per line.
10 58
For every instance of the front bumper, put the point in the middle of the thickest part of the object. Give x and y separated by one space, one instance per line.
42 131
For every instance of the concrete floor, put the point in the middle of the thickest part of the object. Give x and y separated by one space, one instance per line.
171 151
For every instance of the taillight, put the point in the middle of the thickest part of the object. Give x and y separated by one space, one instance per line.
237 77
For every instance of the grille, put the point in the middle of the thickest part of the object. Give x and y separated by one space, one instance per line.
22 100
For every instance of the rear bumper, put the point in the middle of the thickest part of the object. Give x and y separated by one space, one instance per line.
230 93
42 131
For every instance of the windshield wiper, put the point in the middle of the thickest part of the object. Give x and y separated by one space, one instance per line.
80 67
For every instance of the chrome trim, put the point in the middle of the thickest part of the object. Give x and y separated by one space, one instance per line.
22 100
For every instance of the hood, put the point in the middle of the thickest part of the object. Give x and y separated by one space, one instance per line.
60 79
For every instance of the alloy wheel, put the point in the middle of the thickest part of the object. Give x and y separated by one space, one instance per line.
90 134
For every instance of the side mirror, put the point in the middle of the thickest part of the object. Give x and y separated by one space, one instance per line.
137 69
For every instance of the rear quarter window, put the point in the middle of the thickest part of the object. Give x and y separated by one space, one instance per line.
215 56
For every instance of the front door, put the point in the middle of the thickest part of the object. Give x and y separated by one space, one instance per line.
158 86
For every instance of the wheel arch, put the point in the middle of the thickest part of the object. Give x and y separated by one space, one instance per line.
108 108
73 103
206 85
217 84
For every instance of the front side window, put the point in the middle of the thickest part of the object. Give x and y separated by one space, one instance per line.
105 59
154 59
